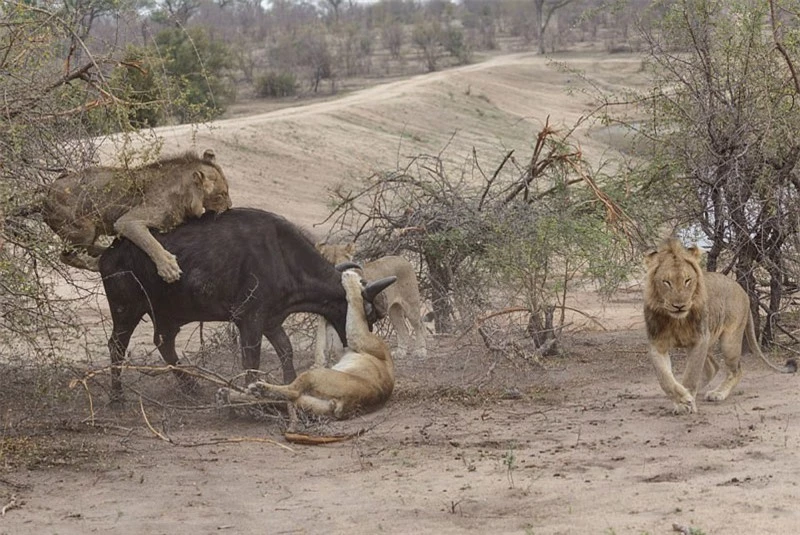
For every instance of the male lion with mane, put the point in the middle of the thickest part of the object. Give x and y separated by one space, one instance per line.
685 306
80 207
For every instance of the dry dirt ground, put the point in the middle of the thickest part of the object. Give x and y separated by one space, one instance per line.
471 441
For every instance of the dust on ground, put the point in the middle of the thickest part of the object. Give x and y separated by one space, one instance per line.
470 442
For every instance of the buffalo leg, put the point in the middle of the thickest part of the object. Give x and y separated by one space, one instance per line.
164 340
283 347
123 325
250 340
121 333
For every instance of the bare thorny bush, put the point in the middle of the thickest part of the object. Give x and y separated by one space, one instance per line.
718 133
63 90
40 137
514 240
66 92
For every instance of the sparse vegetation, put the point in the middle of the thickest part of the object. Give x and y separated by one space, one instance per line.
515 237
718 134
276 85
499 242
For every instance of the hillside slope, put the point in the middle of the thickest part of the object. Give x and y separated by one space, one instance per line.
287 160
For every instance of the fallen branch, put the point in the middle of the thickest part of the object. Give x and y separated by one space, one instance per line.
316 440
152 371
215 442
235 440
511 310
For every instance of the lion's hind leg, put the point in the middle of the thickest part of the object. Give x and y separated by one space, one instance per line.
398 319
710 369
731 345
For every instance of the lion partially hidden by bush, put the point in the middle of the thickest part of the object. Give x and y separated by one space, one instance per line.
402 301
80 207
685 306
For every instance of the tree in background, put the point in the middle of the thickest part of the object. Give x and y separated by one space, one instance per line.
177 12
543 13
196 64
427 37
722 133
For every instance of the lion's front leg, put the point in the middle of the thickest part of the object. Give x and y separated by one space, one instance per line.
681 397
134 226
81 261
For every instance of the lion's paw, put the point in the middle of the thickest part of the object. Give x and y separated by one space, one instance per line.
168 269
257 389
715 396
685 406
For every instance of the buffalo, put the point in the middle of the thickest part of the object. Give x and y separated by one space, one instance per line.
247 266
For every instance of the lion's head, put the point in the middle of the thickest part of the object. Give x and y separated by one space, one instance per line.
214 184
675 284
336 253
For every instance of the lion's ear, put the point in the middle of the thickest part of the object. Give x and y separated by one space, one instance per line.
650 257
209 156
203 182
350 249
695 251
319 246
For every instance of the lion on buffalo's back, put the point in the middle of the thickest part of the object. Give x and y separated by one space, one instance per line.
685 306
82 206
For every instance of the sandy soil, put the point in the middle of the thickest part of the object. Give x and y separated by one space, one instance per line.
471 441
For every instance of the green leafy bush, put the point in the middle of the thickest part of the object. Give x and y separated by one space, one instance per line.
196 63
275 85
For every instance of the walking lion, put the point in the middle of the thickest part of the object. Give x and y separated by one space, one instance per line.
685 306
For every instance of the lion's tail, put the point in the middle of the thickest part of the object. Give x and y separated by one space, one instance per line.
750 333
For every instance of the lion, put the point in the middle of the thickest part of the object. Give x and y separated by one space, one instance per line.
80 207
687 307
402 300
362 381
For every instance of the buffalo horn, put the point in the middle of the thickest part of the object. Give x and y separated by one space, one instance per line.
347 265
375 287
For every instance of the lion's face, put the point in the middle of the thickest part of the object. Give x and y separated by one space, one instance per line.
673 281
216 197
336 253
215 186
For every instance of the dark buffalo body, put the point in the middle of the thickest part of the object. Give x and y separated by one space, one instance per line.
247 266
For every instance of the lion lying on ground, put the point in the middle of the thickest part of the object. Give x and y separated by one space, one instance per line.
360 382
687 307
402 301
80 207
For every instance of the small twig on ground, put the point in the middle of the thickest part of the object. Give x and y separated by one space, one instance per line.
74 383
150 427
234 440
10 505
